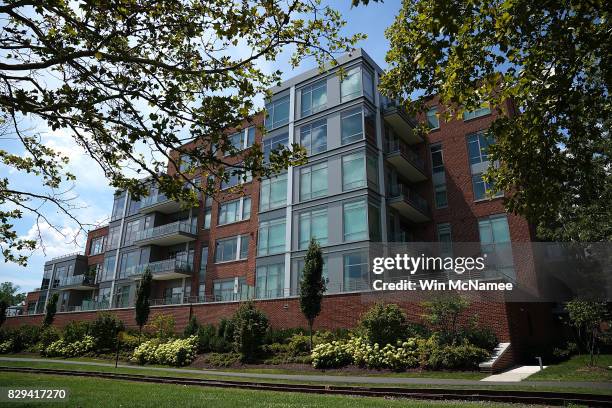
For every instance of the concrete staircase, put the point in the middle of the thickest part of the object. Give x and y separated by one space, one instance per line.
500 359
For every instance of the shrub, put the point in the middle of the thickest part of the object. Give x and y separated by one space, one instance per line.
299 344
482 337
75 331
104 330
6 346
24 337
162 326
226 330
62 348
435 355
384 324
396 357
443 315
192 327
178 352
48 335
281 335
127 341
331 355
206 334
223 359
249 326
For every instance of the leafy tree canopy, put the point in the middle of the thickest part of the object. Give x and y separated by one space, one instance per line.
126 76
8 293
554 61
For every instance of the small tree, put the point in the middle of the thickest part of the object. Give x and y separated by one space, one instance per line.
142 301
443 315
163 326
51 310
3 307
587 317
192 327
312 285
249 328
384 324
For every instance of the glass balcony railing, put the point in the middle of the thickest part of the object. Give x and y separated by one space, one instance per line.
177 227
152 200
77 280
161 267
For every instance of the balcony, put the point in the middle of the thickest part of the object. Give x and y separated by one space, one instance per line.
407 162
159 203
77 282
397 117
408 203
169 234
162 270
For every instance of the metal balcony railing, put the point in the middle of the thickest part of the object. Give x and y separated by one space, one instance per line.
167 229
402 190
77 280
165 266
397 146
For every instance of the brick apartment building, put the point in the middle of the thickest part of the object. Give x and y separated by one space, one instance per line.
369 178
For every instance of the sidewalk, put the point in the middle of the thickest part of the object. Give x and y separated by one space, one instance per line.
329 378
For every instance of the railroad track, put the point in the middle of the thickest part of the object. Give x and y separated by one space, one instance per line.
509 396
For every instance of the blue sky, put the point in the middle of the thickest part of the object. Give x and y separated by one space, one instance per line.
91 188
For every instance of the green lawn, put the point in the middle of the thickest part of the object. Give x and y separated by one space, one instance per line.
92 392
576 369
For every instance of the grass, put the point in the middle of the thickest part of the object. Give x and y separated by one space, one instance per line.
205 376
577 369
93 392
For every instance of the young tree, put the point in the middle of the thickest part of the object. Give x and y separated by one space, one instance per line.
587 317
143 295
3 306
51 310
312 285
130 80
443 314
8 293
550 62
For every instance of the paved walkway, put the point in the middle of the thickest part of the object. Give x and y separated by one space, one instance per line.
327 378
515 375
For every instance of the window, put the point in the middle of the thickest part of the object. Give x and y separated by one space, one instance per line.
122 296
108 269
207 212
131 229
312 224
232 249
353 171
372 169
445 239
277 113
314 98
374 223
495 241
271 237
314 137
481 187
313 181
478 146
494 230
438 176
113 237
133 207
433 122
273 192
368 84
355 272
274 143
225 290
118 204
270 281
97 246
185 163
242 140
234 211
355 221
203 264
352 126
351 85
484 110
234 179
128 263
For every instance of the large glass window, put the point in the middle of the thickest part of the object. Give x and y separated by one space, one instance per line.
108 269
273 192
374 223
372 169
113 237
313 136
314 98
235 179
207 213
478 147
270 281
242 140
351 122
433 122
485 110
97 246
355 272
312 224
203 265
353 171
368 84
274 143
234 211
277 113
494 230
232 249
271 237
355 221
118 204
223 289
350 86
131 229
313 181
185 163
445 239
128 262
481 187
495 241
439 177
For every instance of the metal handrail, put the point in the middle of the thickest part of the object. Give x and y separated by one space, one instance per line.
67 255
409 195
77 280
174 227
167 265
398 146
